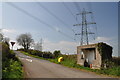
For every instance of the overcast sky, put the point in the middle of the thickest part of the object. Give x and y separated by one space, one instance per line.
53 22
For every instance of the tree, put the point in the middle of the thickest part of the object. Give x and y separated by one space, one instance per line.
6 40
25 40
57 53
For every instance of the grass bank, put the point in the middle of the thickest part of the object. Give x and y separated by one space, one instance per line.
13 70
11 65
70 61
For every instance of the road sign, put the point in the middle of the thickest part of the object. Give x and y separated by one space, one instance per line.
12 43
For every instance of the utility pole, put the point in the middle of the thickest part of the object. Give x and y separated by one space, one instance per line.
41 44
84 32
38 45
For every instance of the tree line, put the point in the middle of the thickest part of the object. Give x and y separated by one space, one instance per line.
26 41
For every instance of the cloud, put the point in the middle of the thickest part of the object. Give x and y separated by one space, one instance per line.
64 46
68 46
102 39
8 30
10 33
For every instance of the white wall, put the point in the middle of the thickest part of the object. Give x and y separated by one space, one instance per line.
89 54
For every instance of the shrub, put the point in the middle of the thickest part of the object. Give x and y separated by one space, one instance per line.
47 55
56 53
21 49
110 71
35 52
38 53
69 60
13 71
116 60
5 51
11 66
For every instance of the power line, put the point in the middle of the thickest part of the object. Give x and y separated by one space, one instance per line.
69 10
89 5
79 10
72 15
37 19
77 6
53 15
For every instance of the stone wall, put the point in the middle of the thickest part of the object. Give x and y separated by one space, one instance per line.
97 62
101 52
88 49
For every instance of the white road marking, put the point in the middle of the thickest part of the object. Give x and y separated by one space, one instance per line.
29 60
21 58
28 56
26 59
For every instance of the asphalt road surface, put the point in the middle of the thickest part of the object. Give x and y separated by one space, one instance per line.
38 68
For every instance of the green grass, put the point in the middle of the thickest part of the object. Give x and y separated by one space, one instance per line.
32 55
14 70
115 71
70 61
71 64
11 65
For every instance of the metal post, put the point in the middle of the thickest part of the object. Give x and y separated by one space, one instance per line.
84 32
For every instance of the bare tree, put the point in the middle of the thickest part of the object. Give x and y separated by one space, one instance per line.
6 40
3 38
25 40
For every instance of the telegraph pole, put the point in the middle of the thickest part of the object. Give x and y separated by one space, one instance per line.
41 44
84 32
38 45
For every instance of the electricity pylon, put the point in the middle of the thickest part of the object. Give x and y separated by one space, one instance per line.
84 32
41 44
38 46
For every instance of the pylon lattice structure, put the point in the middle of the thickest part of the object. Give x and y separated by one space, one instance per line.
84 31
38 46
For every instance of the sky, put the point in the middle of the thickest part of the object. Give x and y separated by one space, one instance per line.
53 22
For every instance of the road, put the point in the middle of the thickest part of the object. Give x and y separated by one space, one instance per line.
38 68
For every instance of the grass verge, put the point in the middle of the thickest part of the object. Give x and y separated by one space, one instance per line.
12 67
14 70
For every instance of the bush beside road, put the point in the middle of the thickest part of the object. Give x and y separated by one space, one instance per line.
11 66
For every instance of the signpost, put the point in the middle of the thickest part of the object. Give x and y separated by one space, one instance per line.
12 43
